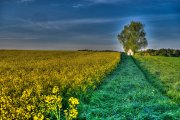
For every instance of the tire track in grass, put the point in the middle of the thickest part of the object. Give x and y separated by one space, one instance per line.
126 94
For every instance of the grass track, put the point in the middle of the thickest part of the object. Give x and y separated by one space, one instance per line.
126 94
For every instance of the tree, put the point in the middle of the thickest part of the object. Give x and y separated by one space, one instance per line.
133 37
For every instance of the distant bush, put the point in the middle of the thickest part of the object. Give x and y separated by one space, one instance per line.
160 52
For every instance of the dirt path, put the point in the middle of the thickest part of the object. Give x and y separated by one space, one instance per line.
126 94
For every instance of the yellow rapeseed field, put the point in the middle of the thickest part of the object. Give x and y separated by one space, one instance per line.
44 84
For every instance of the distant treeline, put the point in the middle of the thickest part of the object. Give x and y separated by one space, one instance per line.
160 52
98 50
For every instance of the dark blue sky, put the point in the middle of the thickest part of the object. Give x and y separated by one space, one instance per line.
81 24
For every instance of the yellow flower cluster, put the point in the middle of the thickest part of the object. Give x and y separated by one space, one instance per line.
53 103
29 109
32 83
39 116
55 90
23 108
72 111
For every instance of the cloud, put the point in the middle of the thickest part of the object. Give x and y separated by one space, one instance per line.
24 1
59 24
78 5
88 21
86 31
56 4
69 23
105 1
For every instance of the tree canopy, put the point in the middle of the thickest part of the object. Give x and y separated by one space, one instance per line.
133 37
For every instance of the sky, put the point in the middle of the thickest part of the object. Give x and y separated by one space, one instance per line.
86 24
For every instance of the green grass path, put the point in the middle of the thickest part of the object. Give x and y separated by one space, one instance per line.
127 95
